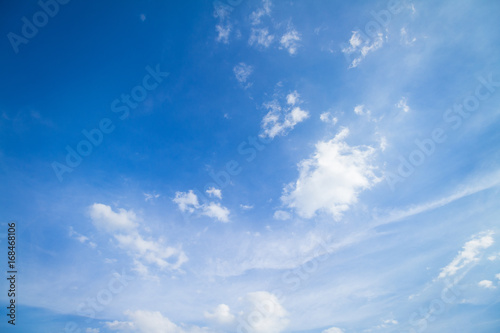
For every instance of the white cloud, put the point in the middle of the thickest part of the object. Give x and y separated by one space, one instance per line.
145 322
486 284
403 104
145 251
280 120
246 207
327 117
290 40
281 215
150 196
223 32
242 71
263 313
188 201
469 255
497 276
383 143
256 16
333 330
292 98
221 315
361 110
223 27
216 211
214 192
92 330
104 217
261 37
331 180
362 48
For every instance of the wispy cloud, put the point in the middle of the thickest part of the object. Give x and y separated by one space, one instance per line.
282 118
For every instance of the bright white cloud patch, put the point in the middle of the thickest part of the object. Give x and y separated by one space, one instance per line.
145 251
333 330
188 201
281 119
263 313
221 314
486 284
214 192
469 255
328 118
261 37
148 322
242 71
497 276
104 217
331 180
403 104
290 40
360 48
215 210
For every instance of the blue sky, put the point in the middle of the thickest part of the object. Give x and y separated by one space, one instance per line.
252 166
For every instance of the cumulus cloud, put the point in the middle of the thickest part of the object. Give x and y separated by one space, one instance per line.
290 41
260 37
332 178
486 284
124 230
361 48
221 314
148 322
104 217
242 71
281 119
214 192
469 254
263 313
215 210
188 202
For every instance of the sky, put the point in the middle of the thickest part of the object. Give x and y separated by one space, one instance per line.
251 166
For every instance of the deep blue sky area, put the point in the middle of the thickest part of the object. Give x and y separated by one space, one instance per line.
250 166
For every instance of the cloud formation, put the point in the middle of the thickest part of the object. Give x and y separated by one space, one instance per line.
332 178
